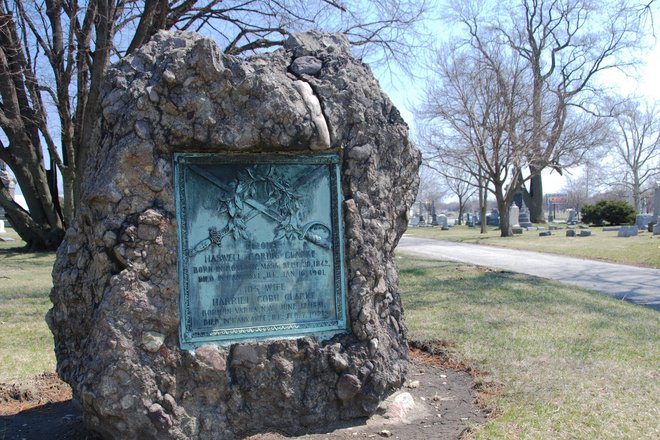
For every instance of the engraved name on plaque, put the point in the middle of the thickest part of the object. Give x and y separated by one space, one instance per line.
260 247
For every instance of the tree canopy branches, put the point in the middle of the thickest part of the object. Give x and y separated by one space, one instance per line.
54 54
515 80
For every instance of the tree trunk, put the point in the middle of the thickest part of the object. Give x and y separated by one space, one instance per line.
483 199
37 236
534 197
505 226
42 229
461 210
637 193
504 201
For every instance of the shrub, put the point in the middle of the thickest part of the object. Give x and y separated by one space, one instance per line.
591 214
614 212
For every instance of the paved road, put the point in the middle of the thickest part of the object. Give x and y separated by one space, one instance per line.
635 284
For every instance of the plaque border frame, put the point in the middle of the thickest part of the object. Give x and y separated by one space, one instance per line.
326 329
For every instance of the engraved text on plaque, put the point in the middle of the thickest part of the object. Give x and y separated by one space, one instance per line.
260 247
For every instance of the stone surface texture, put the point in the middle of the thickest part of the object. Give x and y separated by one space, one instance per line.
115 314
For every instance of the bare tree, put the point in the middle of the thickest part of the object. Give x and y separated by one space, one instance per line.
472 120
563 47
460 183
54 54
636 150
430 193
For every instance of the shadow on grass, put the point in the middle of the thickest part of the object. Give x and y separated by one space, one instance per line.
22 252
425 287
37 294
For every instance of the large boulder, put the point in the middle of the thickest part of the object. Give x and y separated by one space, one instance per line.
115 315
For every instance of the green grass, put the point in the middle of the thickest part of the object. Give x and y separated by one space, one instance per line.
570 363
26 343
642 250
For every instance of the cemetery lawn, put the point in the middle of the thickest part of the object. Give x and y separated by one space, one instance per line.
26 343
552 361
558 361
642 250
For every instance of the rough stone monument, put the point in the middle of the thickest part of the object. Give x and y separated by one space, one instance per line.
230 268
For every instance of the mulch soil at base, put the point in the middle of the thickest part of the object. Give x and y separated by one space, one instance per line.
448 403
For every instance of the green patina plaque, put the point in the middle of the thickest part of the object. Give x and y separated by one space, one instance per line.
260 247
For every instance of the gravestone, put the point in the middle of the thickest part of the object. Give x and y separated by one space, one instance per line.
642 220
230 268
514 215
627 231
523 217
442 220
571 232
571 216
585 233
494 218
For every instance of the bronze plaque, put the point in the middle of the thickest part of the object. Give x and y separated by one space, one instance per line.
260 247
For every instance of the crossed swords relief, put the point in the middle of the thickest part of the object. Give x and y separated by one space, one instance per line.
286 226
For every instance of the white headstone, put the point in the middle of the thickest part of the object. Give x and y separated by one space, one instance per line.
2 227
514 214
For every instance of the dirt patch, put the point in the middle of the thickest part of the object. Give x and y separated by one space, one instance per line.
40 408
446 394
42 389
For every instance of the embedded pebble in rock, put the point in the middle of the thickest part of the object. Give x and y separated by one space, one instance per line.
306 65
115 315
152 341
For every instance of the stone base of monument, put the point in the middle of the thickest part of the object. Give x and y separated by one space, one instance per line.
420 410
